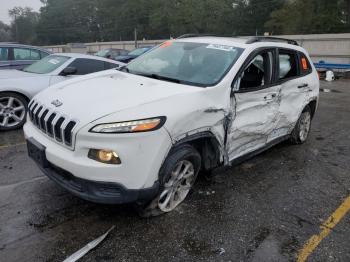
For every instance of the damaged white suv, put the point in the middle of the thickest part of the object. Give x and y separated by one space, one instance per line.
142 133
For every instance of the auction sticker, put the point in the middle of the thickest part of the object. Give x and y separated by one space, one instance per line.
54 61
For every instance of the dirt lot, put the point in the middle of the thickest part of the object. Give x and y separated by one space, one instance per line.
262 210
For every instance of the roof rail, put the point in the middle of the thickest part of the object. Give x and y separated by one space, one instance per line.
194 35
270 39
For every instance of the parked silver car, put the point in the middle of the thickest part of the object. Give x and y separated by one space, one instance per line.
16 56
17 87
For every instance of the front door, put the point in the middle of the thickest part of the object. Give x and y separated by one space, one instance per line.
255 103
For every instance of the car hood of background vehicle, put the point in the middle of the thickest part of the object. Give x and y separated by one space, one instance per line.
11 73
92 98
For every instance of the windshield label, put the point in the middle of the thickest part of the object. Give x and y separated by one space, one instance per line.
54 61
221 47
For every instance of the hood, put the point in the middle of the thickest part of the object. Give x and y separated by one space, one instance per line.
11 73
90 99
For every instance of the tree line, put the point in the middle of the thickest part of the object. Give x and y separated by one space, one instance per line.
63 21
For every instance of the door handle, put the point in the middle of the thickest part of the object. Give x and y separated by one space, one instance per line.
303 86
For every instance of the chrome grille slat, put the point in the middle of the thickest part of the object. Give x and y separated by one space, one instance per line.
55 125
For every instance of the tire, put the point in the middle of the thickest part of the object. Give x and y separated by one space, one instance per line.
13 109
174 187
302 128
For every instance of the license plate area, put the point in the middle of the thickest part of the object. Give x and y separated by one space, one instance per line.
36 151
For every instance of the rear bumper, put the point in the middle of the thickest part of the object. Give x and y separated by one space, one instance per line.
98 192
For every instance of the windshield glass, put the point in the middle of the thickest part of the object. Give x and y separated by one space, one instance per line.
47 64
139 51
189 63
102 53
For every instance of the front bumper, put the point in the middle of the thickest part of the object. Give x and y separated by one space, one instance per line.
141 155
98 192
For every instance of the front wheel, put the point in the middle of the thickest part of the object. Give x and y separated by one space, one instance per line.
13 108
177 176
302 128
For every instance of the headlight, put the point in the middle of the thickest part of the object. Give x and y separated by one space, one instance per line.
143 125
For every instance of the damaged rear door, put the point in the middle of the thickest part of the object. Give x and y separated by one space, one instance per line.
295 88
255 103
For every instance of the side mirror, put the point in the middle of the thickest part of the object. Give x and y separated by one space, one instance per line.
69 71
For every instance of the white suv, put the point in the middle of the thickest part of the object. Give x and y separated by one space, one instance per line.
142 133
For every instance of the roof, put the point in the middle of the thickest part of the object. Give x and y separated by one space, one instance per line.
4 44
241 42
76 55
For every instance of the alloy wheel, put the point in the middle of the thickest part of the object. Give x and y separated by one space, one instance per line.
12 111
178 186
305 123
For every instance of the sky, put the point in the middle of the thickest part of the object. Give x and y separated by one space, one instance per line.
5 5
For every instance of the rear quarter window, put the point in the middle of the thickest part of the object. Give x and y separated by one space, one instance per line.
305 65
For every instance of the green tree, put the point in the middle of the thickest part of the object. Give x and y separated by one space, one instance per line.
23 25
5 32
309 17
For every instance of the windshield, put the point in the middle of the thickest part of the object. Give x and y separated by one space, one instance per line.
139 51
47 64
102 53
189 63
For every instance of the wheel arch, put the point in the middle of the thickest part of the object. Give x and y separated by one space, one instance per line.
208 147
17 93
313 106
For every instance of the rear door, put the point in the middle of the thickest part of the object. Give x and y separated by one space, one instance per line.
293 77
255 104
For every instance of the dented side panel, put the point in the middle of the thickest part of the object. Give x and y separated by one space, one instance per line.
254 121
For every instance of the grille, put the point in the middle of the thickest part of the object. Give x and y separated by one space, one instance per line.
52 123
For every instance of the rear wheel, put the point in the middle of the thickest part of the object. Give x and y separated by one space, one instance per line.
177 176
13 108
302 128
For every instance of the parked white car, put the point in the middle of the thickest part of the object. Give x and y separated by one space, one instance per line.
143 133
17 87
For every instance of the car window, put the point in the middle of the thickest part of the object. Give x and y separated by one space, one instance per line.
198 64
304 65
4 54
47 64
258 72
43 54
288 67
87 66
102 53
110 65
139 51
26 54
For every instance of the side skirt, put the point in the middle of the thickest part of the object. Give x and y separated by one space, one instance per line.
250 155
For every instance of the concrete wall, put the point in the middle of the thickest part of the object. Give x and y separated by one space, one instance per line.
331 48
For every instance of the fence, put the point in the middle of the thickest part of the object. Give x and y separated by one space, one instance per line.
331 48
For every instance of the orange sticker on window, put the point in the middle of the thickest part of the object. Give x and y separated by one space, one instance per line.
166 44
304 64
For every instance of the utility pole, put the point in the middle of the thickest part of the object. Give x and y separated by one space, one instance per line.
16 28
135 35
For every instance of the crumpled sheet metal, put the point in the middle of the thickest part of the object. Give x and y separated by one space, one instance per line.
82 252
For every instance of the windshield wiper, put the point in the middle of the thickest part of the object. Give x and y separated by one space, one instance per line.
159 77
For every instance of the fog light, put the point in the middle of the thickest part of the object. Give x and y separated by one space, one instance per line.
104 156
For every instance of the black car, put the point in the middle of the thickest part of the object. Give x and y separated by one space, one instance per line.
111 53
133 54
16 56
